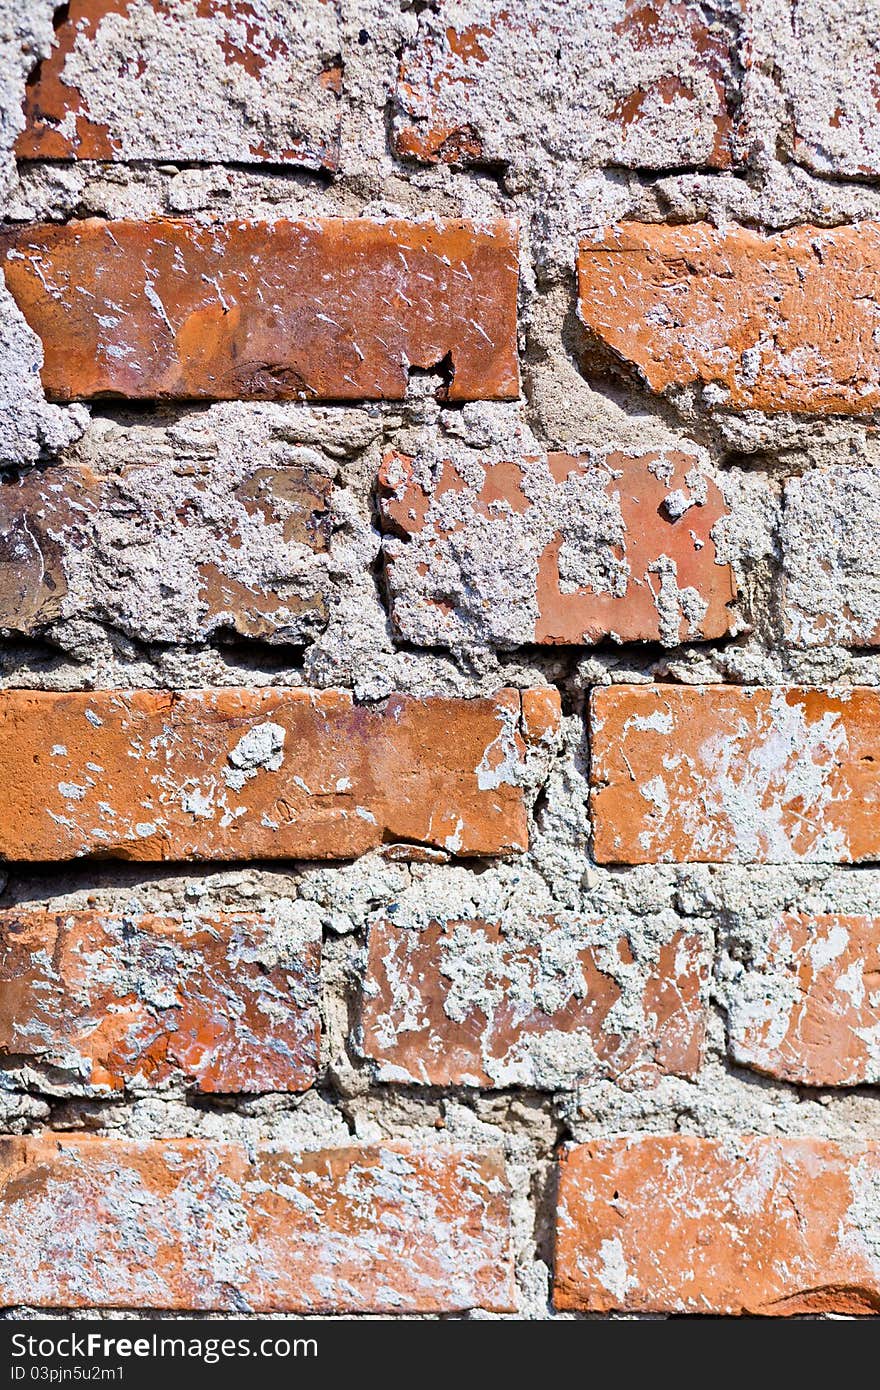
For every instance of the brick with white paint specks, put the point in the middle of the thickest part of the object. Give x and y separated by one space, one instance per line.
806 1009
678 1224
228 1003
338 309
541 1004
722 774
208 80
181 1224
553 549
238 774
752 322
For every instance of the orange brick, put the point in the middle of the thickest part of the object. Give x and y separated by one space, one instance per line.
239 774
467 1004
770 323
183 1224
488 549
327 310
807 1010
677 1224
223 1003
723 774
210 80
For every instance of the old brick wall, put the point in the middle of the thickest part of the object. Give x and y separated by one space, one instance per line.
440 662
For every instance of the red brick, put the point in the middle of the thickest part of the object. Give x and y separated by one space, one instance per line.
723 774
489 548
771 323
226 1003
183 1224
76 545
208 80
645 83
806 1010
239 774
330 310
677 1224
469 1004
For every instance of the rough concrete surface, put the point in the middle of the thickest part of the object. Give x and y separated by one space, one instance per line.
742 121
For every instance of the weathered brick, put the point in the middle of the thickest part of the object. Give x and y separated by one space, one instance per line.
644 83
677 1224
553 549
225 1003
832 85
164 553
237 774
771 323
209 80
336 310
806 1010
183 1224
831 569
544 1004
726 773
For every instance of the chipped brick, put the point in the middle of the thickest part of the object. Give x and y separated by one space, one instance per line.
227 1003
238 774
806 1010
643 84
678 1224
179 1224
208 80
719 774
743 316
554 549
332 310
166 554
544 1004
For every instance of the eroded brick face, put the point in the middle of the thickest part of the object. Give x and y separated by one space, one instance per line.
834 87
678 1224
225 1004
238 774
739 316
645 83
175 80
831 568
731 774
182 1224
807 1009
338 309
553 549
543 1004
166 554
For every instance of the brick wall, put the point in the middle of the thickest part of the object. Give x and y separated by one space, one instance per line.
440 660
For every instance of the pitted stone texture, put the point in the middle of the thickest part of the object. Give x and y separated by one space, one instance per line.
226 1003
168 552
209 80
544 1004
721 774
831 584
180 1224
239 774
729 1226
553 549
808 1010
338 309
767 323
831 79
643 83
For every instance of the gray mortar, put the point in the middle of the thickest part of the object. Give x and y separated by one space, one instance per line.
559 190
